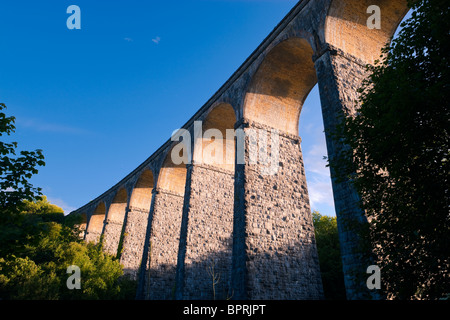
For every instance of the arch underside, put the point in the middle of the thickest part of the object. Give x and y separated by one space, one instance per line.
346 26
281 85
96 222
141 196
216 145
172 175
116 212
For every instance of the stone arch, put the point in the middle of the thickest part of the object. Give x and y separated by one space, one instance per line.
272 207
216 146
141 195
96 223
207 225
116 212
160 257
136 223
114 221
346 26
172 176
281 85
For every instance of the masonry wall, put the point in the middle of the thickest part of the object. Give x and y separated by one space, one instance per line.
133 240
275 255
206 234
163 246
111 234
92 236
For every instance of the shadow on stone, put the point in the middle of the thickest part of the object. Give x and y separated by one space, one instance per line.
286 273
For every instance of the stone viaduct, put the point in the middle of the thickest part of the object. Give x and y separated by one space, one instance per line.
219 214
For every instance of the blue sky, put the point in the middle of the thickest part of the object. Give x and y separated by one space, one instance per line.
101 100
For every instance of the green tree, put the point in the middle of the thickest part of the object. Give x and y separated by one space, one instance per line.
327 241
15 189
398 156
16 170
35 267
38 242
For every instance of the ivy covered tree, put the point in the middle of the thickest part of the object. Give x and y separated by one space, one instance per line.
398 156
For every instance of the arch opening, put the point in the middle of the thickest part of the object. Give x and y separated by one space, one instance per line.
141 196
116 212
216 146
281 85
172 177
97 219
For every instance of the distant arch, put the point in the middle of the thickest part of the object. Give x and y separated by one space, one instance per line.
216 146
141 197
114 222
96 222
172 177
116 212
281 85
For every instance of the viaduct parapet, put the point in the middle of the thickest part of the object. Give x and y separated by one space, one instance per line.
227 213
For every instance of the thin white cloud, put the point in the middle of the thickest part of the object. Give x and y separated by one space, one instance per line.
156 40
42 126
318 175
320 192
62 204
314 161
128 39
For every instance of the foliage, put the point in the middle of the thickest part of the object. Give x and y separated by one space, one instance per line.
38 243
36 267
15 170
398 155
327 240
